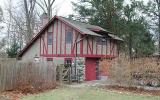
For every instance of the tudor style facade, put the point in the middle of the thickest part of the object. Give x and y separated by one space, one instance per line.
62 39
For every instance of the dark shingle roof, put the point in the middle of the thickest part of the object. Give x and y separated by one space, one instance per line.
86 28
81 26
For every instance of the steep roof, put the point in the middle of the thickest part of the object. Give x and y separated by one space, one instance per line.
87 28
83 25
83 28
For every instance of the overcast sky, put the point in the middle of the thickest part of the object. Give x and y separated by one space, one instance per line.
64 6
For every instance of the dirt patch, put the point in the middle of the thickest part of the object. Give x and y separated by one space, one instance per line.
22 90
134 90
29 89
10 95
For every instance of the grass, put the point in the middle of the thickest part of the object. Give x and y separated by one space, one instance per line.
86 94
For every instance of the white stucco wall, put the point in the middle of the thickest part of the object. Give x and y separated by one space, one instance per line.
33 51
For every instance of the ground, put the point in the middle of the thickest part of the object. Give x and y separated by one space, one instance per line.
94 90
87 92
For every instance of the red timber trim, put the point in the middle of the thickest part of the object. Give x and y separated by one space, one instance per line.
91 50
56 35
86 55
74 44
43 29
81 45
110 46
40 46
52 37
61 39
112 49
106 46
65 41
44 46
102 48
68 58
47 42
87 45
96 46
69 28
92 45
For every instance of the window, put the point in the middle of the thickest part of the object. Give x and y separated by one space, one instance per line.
49 59
68 61
69 36
50 38
101 41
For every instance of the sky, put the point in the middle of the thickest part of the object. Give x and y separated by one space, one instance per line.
64 8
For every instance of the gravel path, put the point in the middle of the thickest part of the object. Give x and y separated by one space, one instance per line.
94 83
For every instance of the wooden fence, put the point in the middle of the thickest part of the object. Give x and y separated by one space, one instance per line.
14 74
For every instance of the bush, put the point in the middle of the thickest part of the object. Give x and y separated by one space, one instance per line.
138 71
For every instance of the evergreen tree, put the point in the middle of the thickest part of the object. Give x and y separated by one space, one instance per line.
13 50
152 11
122 20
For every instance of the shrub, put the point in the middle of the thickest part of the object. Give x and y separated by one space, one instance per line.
137 71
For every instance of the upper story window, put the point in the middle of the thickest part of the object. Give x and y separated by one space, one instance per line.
50 39
101 41
69 36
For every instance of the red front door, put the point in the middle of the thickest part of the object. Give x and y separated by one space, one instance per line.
90 70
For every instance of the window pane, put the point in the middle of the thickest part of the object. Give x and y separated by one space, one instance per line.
69 36
49 59
49 38
101 41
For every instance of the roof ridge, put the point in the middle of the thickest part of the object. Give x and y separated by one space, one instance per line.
81 22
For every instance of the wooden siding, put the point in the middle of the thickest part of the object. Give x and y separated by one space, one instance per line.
88 47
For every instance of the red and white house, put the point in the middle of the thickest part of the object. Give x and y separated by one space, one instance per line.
62 40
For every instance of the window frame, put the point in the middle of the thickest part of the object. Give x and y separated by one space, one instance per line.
69 36
49 38
49 59
66 60
101 42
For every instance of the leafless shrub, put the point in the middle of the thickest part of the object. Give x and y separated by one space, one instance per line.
136 71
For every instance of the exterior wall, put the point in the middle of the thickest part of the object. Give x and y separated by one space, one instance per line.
32 52
58 60
88 47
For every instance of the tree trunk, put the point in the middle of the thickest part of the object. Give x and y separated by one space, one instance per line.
159 25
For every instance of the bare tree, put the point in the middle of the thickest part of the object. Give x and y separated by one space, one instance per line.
46 6
29 11
1 17
21 19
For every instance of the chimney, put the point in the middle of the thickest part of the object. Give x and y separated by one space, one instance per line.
44 19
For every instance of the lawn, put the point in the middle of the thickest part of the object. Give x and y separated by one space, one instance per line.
86 94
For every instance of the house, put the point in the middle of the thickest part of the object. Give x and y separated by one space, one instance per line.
62 40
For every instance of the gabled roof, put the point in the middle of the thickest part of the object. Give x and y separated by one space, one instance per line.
83 28
115 37
83 25
80 26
